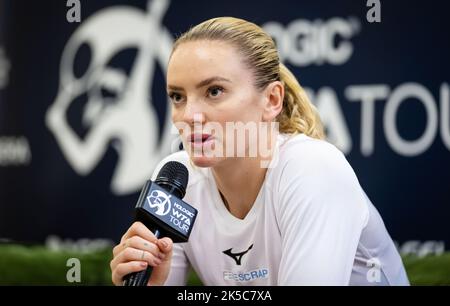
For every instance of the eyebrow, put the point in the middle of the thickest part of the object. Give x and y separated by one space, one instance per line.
202 83
211 80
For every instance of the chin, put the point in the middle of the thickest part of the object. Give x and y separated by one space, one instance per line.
204 158
204 161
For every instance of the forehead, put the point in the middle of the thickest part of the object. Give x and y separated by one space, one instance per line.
198 60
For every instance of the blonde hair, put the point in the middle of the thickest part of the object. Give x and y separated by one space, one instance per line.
260 54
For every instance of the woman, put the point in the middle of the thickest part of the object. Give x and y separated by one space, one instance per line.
292 215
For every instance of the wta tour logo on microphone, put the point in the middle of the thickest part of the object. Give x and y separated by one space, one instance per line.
161 201
169 209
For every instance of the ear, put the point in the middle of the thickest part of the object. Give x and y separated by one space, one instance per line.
273 102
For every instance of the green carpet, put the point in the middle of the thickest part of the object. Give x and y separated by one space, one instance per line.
20 265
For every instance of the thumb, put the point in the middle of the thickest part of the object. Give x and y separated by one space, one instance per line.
161 272
165 245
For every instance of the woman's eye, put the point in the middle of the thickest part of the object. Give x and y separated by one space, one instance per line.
215 91
175 97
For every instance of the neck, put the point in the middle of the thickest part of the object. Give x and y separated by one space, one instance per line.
239 181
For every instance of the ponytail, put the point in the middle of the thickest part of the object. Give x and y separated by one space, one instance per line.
298 115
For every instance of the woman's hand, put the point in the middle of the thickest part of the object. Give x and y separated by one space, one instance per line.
139 248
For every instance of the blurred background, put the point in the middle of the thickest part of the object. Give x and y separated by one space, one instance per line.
84 118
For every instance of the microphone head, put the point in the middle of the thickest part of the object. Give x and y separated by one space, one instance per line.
174 177
160 205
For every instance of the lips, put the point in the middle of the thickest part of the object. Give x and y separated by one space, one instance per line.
201 141
199 137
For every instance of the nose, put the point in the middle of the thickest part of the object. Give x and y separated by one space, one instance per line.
193 114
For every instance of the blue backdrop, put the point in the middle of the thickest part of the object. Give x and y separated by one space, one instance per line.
84 116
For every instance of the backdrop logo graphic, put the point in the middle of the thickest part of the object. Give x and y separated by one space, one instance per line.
161 201
435 108
303 42
126 119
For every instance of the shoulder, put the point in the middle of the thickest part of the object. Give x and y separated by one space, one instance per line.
310 158
313 174
309 148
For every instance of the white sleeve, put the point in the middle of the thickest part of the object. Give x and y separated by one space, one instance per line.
179 267
321 216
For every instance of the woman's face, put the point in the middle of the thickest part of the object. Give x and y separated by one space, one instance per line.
209 85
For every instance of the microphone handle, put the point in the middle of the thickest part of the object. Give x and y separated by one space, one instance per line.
140 278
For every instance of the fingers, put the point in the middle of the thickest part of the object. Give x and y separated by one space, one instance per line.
138 249
139 243
139 229
132 254
136 229
126 268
